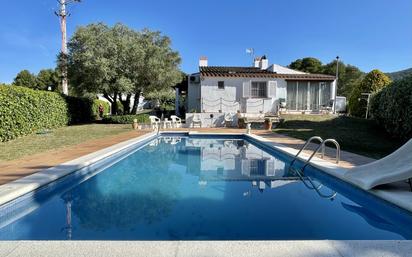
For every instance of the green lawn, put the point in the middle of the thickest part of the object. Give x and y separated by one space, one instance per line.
58 138
353 134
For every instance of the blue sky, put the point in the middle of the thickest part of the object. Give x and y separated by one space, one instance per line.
366 33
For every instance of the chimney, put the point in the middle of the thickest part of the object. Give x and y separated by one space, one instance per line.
256 62
264 63
203 61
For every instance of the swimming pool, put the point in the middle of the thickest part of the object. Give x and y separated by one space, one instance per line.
179 187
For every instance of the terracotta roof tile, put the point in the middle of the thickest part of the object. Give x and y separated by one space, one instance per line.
252 72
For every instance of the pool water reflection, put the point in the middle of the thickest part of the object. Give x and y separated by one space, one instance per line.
184 188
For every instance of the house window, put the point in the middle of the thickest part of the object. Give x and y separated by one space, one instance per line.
221 85
258 90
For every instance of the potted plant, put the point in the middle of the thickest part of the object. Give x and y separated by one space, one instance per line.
135 124
268 123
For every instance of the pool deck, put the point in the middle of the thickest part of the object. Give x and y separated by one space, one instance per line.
321 248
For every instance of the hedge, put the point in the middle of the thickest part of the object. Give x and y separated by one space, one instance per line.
24 111
392 108
126 119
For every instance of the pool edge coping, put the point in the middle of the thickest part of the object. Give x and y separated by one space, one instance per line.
298 248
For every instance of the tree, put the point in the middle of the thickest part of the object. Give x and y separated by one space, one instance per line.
349 76
160 67
99 61
373 82
119 62
307 64
164 98
47 78
25 79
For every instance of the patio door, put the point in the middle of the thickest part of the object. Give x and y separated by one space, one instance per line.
291 93
314 96
302 100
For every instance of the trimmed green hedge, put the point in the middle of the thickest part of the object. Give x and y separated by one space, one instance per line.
24 111
126 119
392 108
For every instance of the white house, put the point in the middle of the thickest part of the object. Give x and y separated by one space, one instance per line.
257 90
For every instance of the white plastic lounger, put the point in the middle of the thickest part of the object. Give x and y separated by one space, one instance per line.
392 168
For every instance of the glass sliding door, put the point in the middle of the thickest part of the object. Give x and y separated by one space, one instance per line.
291 92
314 96
324 93
302 95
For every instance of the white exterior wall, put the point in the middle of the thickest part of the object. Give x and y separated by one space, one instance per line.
230 99
206 97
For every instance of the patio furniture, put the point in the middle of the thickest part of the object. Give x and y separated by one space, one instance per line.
176 121
228 120
196 121
154 121
167 123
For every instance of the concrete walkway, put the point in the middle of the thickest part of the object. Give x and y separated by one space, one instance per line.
323 248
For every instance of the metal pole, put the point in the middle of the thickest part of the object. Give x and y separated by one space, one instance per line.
63 17
63 21
336 84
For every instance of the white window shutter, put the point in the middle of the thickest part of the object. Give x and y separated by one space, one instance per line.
245 167
246 89
270 168
272 89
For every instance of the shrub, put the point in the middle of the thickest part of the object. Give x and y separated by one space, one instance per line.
80 110
373 82
24 111
392 108
126 119
106 107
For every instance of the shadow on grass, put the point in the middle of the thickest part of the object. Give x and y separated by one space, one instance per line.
355 135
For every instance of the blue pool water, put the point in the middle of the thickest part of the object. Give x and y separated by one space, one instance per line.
199 188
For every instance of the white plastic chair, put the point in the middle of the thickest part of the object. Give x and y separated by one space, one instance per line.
176 121
196 120
154 121
228 119
167 123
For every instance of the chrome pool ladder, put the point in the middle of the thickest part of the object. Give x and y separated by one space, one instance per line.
300 172
322 146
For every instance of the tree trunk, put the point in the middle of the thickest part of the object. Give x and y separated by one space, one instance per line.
114 104
136 101
126 104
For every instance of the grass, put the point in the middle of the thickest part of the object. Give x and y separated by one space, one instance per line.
355 135
58 138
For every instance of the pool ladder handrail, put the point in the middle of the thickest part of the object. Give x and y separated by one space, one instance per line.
322 145
304 147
